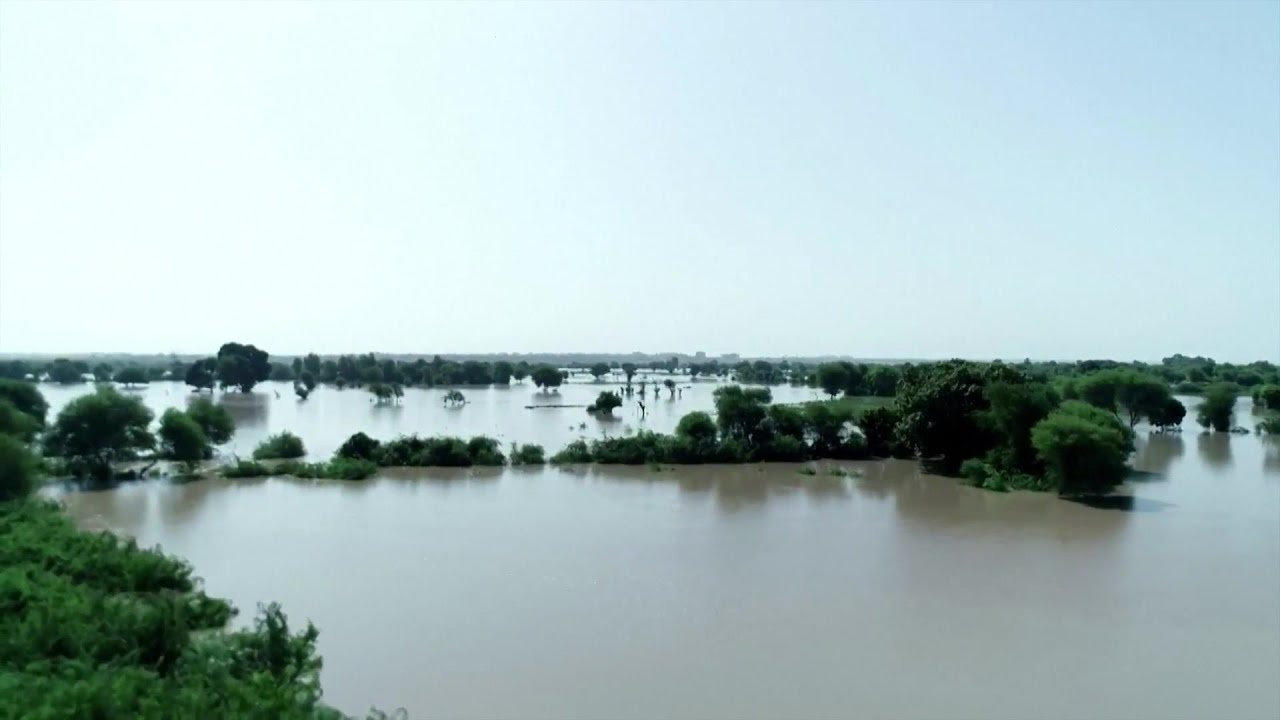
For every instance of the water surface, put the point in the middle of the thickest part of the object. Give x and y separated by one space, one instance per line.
744 591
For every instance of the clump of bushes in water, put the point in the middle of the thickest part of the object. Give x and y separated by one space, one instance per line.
283 446
527 454
415 451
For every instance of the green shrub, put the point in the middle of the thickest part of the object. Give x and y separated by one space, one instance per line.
527 454
359 447
1083 448
575 453
284 446
1217 409
485 451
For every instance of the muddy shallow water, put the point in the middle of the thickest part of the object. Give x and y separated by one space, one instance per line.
746 591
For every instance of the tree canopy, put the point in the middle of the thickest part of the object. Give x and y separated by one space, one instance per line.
95 430
1217 409
1084 448
242 366
546 377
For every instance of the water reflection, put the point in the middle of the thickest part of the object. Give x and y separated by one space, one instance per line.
1271 455
247 410
1215 450
1157 452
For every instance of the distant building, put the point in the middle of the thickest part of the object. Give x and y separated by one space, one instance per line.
700 356
730 358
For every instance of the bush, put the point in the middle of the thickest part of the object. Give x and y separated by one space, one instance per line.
26 398
527 455
1187 387
879 427
605 403
16 423
575 453
359 447
284 446
485 451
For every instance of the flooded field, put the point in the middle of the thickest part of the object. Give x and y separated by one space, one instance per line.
735 591
330 415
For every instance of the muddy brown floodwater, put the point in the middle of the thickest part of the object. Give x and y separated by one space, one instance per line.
753 591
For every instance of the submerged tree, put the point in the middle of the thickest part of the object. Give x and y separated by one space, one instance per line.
132 375
671 387
599 370
1217 409
214 420
242 366
605 403
95 430
454 398
201 374
546 377
182 440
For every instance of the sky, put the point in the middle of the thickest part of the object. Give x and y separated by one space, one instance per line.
908 180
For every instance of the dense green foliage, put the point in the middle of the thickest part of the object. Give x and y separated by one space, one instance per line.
1217 409
527 454
214 420
26 398
415 451
96 430
17 423
94 627
1083 448
242 366
182 440
17 468
132 375
939 410
201 374
546 377
282 446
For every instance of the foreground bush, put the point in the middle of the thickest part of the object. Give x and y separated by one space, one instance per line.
94 627
284 446
339 468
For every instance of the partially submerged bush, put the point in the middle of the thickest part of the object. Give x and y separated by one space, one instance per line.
527 454
284 446
575 453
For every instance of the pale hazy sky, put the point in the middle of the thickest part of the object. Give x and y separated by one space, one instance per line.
876 179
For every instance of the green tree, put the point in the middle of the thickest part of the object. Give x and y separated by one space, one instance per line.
214 420
312 363
546 377
66 372
1013 410
520 371
15 423
132 375
939 406
879 428
26 397
671 387
599 370
697 426
455 397
833 378
740 411
102 372
308 380
1217 409
1169 415
201 374
1083 448
1269 395
882 380
17 469
629 369
605 403
242 366
182 440
502 371
95 430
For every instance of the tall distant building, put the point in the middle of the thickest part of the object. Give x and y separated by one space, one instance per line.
730 358
700 356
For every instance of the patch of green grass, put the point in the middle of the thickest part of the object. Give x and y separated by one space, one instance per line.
854 406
